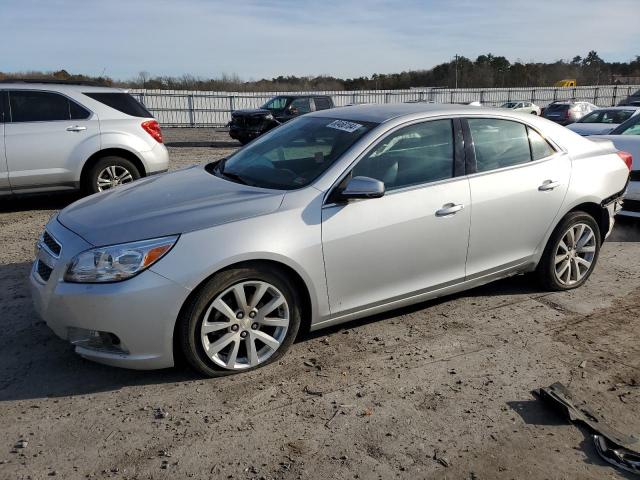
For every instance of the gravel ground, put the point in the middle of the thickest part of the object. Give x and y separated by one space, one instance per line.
438 390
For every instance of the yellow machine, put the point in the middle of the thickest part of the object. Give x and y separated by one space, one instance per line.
567 82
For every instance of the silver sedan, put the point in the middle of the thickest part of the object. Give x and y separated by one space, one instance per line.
337 215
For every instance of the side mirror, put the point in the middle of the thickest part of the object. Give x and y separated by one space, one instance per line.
293 111
362 187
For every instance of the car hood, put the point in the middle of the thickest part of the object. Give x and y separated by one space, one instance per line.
167 204
592 128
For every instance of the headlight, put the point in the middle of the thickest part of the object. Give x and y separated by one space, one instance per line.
117 262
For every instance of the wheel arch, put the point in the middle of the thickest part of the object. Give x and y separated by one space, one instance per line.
297 282
117 152
599 214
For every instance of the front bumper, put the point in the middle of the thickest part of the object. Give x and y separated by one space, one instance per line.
140 312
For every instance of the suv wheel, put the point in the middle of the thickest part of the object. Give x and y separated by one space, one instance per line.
571 253
109 172
241 319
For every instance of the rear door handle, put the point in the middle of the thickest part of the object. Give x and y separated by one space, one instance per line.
548 185
76 128
449 209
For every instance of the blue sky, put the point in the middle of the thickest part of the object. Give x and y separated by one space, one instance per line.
342 38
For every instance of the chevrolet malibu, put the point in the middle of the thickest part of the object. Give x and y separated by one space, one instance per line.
333 216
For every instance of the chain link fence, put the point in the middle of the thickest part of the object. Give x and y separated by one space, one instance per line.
179 108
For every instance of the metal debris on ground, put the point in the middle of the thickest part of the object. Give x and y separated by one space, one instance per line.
614 447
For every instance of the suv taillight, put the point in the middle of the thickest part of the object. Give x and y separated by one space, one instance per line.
627 158
152 127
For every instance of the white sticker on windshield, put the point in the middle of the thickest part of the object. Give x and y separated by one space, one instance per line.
345 126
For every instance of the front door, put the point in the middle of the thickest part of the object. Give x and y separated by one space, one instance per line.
47 139
517 192
412 239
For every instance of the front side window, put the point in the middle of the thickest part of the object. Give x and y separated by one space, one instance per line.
412 155
498 143
277 103
35 106
301 105
292 155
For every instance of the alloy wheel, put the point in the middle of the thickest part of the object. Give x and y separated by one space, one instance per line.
112 176
575 254
245 325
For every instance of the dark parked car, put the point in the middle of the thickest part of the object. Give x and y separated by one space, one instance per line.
567 111
245 125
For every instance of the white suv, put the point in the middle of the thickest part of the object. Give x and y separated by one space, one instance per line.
65 136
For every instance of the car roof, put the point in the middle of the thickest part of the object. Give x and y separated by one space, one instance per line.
628 107
380 113
58 87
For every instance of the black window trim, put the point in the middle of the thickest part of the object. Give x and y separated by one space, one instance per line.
459 161
4 115
470 147
10 116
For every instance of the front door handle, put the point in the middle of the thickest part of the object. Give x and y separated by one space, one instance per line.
76 128
449 209
548 185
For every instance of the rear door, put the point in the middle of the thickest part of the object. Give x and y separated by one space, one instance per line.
47 139
5 188
516 192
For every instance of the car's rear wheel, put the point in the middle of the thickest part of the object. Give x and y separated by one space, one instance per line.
109 172
241 319
571 253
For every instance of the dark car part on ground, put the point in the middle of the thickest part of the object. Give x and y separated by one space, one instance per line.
245 125
613 446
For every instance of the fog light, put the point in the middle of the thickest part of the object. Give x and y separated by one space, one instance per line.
95 340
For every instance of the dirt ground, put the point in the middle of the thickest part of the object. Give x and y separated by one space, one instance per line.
438 390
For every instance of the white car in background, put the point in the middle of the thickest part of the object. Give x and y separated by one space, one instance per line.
73 135
626 138
522 106
603 120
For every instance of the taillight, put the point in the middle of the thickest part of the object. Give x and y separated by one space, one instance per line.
152 127
627 158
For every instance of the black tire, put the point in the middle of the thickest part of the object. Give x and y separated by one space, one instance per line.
545 271
192 316
91 181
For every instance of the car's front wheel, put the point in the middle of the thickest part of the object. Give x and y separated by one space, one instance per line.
241 319
571 253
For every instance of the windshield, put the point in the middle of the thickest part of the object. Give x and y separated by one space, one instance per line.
630 127
607 116
509 105
277 103
293 155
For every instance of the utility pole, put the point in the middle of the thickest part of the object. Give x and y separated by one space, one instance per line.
456 70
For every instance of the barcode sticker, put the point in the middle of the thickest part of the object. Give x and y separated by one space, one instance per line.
345 126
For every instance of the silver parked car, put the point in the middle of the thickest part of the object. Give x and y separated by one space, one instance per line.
522 107
336 215
603 120
69 136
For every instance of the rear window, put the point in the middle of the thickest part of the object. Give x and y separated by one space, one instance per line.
123 102
557 108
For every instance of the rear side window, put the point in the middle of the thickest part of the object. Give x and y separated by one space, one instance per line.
499 143
34 106
540 148
322 103
123 102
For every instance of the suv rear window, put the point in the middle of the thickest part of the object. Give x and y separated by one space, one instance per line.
123 102
563 107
